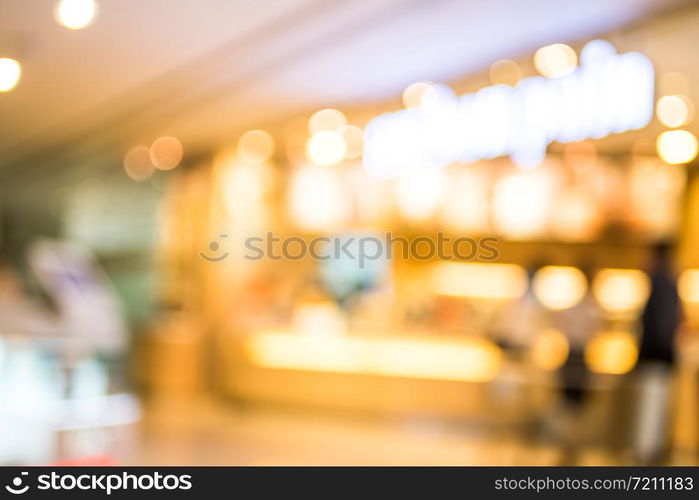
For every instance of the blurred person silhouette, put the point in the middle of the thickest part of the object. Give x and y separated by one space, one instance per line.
660 320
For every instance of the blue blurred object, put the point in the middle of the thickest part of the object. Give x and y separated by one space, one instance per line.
352 264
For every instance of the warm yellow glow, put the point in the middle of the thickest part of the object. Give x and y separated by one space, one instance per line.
549 350
479 280
576 217
10 72
559 287
555 60
75 14
413 93
505 71
255 146
651 179
354 140
621 290
677 146
137 163
674 110
419 194
521 203
613 353
688 285
326 120
580 154
320 319
166 153
468 360
466 205
244 188
326 148
318 199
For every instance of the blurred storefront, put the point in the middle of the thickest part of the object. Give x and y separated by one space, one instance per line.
523 206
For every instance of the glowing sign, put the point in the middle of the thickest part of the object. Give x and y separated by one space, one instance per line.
609 93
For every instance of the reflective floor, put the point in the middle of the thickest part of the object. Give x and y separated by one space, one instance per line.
203 432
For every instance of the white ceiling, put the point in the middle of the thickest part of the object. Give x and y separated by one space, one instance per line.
204 70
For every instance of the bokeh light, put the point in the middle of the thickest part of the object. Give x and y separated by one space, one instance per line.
549 350
419 194
688 285
166 153
479 280
611 352
413 93
137 163
354 141
255 146
555 60
677 146
317 198
559 287
674 110
521 204
75 14
621 291
326 148
505 71
326 120
10 72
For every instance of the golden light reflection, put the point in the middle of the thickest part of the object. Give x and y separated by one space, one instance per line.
326 148
10 72
354 141
611 352
549 350
555 60
326 120
75 14
479 280
677 146
559 287
319 319
166 153
505 71
466 203
255 146
576 217
317 198
467 360
674 110
413 93
521 204
137 163
621 291
419 194
688 285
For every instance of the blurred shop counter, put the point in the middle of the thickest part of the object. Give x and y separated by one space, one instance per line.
452 377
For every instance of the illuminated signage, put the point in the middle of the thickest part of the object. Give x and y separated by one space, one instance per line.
609 93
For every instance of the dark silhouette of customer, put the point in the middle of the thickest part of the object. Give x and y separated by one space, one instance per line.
660 320
661 316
